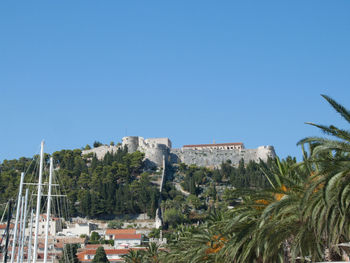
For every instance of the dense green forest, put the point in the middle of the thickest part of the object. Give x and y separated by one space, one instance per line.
95 188
119 184
250 175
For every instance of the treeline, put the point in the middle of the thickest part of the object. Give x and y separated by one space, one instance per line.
95 188
249 175
242 176
118 185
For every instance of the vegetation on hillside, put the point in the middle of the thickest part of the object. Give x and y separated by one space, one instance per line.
95 188
279 211
302 217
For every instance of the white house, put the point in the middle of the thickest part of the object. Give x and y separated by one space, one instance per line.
127 240
110 233
55 226
79 229
113 255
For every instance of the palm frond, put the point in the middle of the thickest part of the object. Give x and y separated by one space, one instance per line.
339 108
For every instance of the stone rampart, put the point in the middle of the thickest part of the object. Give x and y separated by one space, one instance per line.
132 142
215 157
155 148
101 150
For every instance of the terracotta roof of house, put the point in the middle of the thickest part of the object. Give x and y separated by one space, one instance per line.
70 240
120 231
214 144
108 251
3 226
59 245
128 236
96 246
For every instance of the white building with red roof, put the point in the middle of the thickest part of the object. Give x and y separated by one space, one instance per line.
124 237
113 255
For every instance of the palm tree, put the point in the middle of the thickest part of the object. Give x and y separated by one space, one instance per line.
134 256
303 216
268 226
192 244
332 157
152 253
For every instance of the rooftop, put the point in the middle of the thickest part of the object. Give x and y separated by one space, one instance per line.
120 231
214 144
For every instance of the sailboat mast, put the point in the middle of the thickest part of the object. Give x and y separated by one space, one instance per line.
17 216
38 202
9 215
30 237
24 225
48 211
20 230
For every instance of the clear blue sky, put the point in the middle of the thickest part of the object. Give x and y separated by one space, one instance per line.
72 72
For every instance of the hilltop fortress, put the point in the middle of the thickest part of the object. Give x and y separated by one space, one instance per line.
208 155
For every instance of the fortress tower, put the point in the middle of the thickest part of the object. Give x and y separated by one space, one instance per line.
209 155
154 148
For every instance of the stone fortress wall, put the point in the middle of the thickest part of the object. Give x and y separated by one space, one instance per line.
209 155
154 148
215 157
101 150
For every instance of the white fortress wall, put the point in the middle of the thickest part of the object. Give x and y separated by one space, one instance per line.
214 157
132 142
164 141
154 148
200 155
101 150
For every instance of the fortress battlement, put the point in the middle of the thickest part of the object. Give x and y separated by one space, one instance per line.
209 155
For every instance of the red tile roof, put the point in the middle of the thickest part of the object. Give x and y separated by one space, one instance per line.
120 231
214 144
108 251
70 240
3 226
96 246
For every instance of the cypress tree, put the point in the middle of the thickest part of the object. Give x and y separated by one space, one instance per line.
100 256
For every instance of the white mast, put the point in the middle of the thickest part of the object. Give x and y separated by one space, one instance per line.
48 211
24 224
38 201
30 236
20 233
17 216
